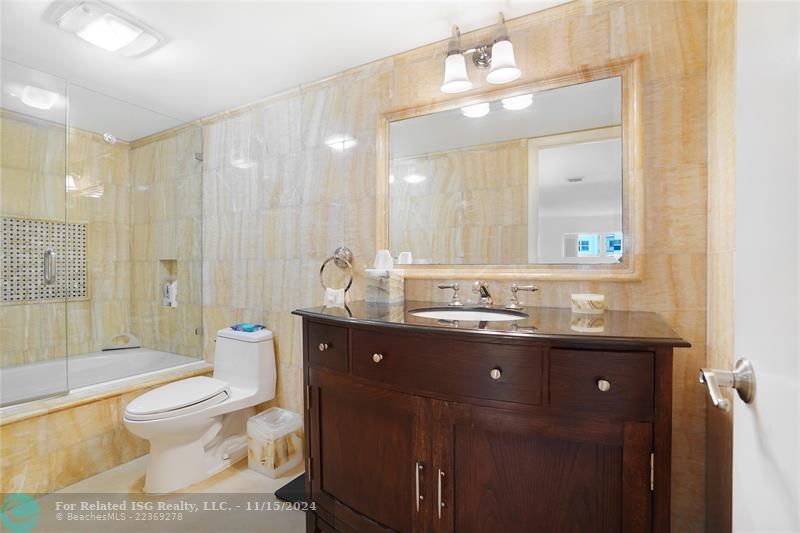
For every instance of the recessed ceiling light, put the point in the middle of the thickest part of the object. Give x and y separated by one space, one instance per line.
109 32
38 98
415 178
340 143
106 27
515 103
476 110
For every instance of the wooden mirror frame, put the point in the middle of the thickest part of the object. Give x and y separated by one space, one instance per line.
628 69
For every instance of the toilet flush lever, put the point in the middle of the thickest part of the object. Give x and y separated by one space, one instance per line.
742 378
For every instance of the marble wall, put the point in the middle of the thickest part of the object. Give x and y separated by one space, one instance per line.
721 248
34 163
166 242
277 200
471 209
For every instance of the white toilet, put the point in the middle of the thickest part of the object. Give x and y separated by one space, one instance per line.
198 426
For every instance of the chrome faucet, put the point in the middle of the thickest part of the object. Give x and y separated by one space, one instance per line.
456 301
481 288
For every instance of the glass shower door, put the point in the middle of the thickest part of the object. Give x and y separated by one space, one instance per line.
39 260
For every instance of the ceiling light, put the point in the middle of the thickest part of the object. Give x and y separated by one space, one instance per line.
106 27
516 103
415 178
340 143
455 67
109 32
476 110
38 98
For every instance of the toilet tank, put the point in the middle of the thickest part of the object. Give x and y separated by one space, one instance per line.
246 360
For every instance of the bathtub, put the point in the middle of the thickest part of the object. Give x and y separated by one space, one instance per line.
37 380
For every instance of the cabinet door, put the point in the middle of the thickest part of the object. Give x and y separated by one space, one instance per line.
508 471
366 446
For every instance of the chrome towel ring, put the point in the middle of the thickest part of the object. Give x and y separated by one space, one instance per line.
343 258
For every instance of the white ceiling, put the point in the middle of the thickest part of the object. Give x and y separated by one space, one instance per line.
223 54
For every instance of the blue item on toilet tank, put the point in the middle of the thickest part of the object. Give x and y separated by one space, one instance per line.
247 327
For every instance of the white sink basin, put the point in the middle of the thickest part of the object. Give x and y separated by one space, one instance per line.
469 314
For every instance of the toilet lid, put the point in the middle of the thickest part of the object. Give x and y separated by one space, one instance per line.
178 398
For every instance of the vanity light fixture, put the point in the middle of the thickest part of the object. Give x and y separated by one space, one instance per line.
497 56
517 103
38 98
340 143
455 66
106 27
476 110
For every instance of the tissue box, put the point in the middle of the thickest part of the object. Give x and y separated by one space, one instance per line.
274 441
384 286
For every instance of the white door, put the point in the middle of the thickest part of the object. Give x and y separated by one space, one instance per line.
766 432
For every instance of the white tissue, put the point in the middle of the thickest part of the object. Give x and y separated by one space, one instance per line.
405 258
383 260
334 297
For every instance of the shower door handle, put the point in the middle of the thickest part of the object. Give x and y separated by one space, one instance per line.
49 267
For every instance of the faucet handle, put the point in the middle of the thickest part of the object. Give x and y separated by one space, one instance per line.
456 300
514 302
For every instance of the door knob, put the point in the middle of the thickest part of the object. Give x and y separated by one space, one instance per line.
742 378
323 346
377 357
496 374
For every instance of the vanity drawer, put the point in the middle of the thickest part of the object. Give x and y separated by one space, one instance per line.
444 366
327 346
575 382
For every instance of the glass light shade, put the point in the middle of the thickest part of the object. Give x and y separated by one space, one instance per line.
38 98
109 32
516 103
455 75
504 66
476 111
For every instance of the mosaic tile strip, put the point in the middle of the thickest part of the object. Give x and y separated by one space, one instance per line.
22 262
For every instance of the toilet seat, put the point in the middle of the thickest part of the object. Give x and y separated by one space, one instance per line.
178 398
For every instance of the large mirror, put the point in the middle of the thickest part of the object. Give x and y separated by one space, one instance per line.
532 178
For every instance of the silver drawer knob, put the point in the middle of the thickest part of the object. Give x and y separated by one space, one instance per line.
603 385
323 346
495 374
377 357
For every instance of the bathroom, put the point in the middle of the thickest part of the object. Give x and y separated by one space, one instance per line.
193 166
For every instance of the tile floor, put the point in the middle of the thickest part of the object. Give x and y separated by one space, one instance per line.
128 479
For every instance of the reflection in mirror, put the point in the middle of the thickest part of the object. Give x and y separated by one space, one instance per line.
531 179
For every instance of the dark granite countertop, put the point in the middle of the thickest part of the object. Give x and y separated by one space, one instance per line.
552 323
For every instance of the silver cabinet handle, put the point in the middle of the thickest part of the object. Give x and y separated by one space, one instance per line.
441 503
495 374
377 357
417 473
49 267
742 378
603 385
323 346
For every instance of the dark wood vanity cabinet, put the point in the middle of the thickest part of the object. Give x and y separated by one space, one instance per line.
426 431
